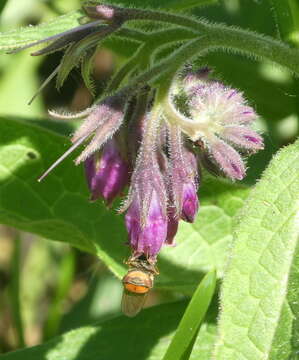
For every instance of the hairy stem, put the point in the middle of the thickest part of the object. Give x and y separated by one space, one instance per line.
127 14
134 125
151 42
219 37
171 63
122 73
252 44
131 34
226 37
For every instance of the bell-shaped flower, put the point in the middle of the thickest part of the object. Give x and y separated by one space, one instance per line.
190 202
146 238
108 174
100 123
172 227
183 176
146 204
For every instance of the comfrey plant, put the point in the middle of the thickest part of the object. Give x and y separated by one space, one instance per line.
159 122
162 164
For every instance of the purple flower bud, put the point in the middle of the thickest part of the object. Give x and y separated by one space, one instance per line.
100 11
90 170
172 227
146 218
217 104
107 175
218 119
183 177
103 121
228 159
190 202
209 164
149 237
213 105
96 117
243 137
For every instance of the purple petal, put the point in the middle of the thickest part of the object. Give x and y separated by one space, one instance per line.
183 177
109 176
77 29
228 159
149 238
172 227
190 203
104 12
232 93
90 171
243 137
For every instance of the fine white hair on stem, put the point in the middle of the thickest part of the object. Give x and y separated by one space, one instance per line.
70 116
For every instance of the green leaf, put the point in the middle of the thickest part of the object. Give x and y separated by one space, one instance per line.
75 53
20 68
259 318
78 50
58 209
186 4
2 5
54 208
193 317
144 337
23 36
95 305
14 292
64 282
203 245
36 279
87 67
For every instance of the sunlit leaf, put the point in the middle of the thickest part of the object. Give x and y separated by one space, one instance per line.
182 342
20 37
259 318
146 337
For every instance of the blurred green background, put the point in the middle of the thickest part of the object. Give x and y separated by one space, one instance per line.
60 287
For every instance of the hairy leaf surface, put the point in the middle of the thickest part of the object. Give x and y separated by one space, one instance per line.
121 336
259 318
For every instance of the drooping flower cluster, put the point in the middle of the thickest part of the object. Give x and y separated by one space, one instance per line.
154 148
160 153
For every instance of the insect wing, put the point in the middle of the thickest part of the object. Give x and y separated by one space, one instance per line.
132 303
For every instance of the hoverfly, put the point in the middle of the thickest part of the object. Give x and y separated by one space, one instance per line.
137 284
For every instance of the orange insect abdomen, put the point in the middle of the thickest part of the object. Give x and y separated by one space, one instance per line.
137 289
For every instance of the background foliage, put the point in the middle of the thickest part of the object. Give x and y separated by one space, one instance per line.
63 296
